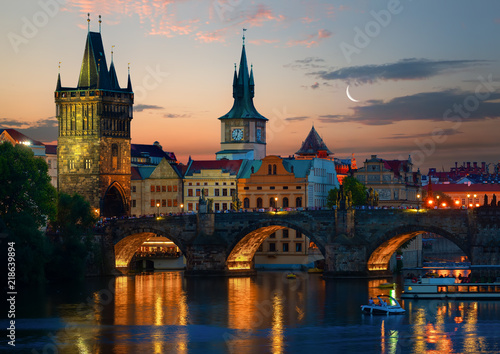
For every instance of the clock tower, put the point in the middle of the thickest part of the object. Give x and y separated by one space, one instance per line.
243 129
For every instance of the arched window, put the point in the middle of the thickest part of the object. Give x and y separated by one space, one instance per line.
114 157
285 202
298 202
259 203
272 204
246 203
269 169
274 169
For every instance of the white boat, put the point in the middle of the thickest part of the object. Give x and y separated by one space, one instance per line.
433 288
383 307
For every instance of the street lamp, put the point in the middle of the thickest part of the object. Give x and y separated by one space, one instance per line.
158 209
182 208
275 205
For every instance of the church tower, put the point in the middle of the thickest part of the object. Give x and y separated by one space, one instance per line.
93 151
243 129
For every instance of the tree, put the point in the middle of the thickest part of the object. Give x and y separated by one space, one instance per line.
357 189
354 193
73 245
27 201
332 198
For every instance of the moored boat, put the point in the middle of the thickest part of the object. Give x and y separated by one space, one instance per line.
451 288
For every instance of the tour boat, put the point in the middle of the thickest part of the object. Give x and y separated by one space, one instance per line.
432 288
383 307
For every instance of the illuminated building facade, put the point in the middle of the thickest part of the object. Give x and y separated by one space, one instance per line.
465 195
94 133
243 129
394 181
213 180
156 189
273 184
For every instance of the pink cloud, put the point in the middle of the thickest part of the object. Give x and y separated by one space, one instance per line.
312 39
323 33
209 37
263 41
308 19
262 15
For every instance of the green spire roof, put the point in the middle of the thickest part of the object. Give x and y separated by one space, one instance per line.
243 93
94 71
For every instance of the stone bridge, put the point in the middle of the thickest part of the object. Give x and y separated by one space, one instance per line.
353 242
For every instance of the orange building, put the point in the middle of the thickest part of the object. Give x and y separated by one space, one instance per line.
271 183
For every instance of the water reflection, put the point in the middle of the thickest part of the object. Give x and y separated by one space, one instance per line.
277 325
167 313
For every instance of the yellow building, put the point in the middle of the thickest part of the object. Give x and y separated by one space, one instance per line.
217 179
156 189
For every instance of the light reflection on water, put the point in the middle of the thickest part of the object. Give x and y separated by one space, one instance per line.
167 313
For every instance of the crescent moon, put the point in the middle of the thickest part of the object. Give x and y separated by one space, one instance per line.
349 96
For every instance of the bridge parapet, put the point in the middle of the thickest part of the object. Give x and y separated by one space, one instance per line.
352 241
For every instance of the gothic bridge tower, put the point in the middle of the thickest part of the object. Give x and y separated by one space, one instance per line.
93 151
243 129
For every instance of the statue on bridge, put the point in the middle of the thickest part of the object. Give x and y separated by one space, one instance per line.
205 205
344 200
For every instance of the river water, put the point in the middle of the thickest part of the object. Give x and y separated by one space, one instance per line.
166 313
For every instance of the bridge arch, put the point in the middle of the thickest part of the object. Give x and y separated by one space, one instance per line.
381 252
126 245
245 244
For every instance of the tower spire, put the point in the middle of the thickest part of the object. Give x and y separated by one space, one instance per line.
100 23
58 86
244 29
129 83
88 21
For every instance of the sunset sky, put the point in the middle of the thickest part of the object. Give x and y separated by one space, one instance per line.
426 73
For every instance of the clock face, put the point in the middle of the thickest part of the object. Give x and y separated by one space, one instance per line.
237 134
259 134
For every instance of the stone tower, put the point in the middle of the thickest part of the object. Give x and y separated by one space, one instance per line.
243 129
93 152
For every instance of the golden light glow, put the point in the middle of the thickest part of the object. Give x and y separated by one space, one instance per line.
430 201
457 202
277 325
443 205
477 204
238 265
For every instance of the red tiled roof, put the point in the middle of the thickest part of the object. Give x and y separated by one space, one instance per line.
462 187
20 137
135 175
231 166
